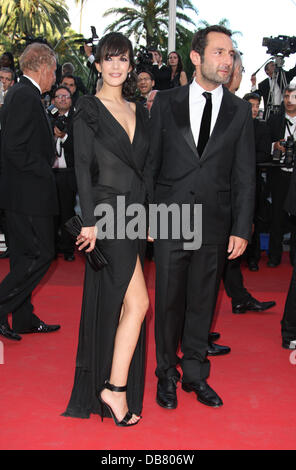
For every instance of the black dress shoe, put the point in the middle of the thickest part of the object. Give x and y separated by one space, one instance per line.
205 394
42 328
291 344
273 263
4 254
69 257
252 305
253 266
166 396
217 349
213 336
8 333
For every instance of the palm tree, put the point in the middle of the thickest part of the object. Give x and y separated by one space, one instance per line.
31 17
82 4
148 20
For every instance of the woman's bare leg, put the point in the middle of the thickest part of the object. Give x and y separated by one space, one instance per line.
135 306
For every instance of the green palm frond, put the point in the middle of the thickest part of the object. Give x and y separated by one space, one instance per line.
148 19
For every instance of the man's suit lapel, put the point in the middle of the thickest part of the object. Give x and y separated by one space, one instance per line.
180 108
225 116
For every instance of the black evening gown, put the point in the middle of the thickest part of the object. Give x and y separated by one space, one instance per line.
107 165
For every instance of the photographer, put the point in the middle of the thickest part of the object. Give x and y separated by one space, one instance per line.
265 86
282 128
7 79
161 73
263 155
89 52
61 117
69 81
68 68
145 84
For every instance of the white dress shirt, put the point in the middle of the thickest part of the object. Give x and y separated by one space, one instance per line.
196 106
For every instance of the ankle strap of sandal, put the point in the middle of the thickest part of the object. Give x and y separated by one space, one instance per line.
114 388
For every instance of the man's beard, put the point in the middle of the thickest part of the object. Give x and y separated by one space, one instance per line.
212 76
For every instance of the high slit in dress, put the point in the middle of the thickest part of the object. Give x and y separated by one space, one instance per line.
107 165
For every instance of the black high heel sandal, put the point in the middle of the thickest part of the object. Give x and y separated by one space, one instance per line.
125 421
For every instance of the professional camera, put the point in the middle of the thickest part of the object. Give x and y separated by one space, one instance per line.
90 42
284 45
59 121
144 60
290 151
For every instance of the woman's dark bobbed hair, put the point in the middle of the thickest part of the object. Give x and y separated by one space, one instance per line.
115 44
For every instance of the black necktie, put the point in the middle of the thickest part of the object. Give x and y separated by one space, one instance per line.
205 125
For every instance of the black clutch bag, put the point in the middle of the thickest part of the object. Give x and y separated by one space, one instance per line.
95 258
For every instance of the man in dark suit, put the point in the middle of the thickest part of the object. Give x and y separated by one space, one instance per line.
27 190
161 73
202 153
266 85
263 155
281 125
64 172
7 79
288 323
241 299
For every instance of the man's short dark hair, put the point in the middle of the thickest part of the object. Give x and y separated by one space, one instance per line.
68 75
200 38
61 87
252 96
148 73
289 88
267 65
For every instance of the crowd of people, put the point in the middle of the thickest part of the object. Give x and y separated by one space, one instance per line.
153 136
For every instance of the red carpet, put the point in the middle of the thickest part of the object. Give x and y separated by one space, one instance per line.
256 380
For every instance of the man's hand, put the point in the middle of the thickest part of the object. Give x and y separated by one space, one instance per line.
58 132
253 80
236 246
87 50
155 57
278 146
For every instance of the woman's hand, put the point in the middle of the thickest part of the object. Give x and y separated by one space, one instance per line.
87 236
149 239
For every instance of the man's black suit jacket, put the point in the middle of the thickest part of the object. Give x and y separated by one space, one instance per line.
162 77
222 180
262 141
27 180
277 126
